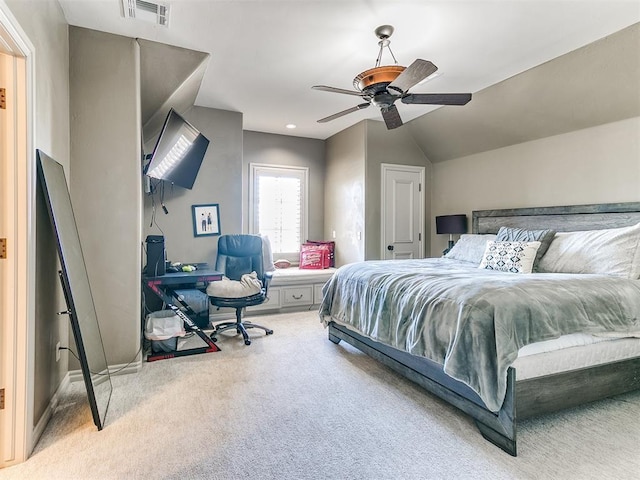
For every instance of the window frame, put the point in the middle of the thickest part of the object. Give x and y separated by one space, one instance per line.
259 169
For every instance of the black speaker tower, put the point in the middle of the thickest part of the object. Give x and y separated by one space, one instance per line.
155 256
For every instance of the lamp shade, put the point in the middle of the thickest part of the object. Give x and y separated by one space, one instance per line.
451 224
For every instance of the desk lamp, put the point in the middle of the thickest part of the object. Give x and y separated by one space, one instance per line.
451 224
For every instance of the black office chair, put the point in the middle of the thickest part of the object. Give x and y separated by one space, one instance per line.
239 255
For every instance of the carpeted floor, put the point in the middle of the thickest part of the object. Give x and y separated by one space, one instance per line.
295 406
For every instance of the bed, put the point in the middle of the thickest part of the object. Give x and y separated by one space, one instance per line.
487 341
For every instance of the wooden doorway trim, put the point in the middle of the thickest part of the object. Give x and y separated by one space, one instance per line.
18 318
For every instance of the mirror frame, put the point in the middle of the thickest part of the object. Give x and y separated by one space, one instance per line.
76 288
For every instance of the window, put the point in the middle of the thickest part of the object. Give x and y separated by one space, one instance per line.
278 207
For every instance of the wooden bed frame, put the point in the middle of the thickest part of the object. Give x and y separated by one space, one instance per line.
535 396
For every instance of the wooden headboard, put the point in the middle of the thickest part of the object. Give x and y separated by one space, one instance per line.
561 219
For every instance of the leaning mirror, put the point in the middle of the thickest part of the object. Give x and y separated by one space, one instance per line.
77 291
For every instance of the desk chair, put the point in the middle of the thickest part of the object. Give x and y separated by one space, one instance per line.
239 255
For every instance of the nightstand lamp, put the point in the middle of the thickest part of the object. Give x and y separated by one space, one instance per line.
451 224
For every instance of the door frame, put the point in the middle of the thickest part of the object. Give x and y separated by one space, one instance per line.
19 324
385 167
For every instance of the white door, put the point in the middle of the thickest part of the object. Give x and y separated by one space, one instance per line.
402 211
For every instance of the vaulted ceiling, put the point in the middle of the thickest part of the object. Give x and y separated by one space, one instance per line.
262 57
596 84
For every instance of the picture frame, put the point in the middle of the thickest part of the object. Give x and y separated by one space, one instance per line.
206 220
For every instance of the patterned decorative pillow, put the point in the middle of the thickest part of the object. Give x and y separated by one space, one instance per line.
511 234
514 257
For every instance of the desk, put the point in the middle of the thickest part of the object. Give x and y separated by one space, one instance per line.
164 287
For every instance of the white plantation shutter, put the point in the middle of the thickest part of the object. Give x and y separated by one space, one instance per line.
278 207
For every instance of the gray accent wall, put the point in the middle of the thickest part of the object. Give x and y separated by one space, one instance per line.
294 152
219 181
105 181
223 179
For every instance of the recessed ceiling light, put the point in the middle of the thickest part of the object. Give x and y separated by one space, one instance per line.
290 125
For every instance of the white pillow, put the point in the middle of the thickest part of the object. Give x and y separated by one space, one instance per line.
514 257
614 251
470 248
247 285
267 254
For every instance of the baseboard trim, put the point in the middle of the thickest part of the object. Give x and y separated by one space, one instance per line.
51 408
114 370
71 377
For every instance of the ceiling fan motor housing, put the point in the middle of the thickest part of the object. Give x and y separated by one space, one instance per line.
383 99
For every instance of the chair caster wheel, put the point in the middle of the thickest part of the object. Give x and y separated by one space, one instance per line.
214 339
247 342
269 332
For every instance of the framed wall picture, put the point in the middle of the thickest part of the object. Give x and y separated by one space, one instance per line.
206 220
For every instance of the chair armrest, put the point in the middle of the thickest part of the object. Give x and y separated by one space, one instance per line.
267 279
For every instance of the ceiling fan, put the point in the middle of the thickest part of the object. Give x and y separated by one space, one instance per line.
382 86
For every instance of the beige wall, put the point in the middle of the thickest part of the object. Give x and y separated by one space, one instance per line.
344 193
219 181
106 179
594 165
46 29
290 151
593 85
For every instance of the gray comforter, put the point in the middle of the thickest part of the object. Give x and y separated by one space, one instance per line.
473 321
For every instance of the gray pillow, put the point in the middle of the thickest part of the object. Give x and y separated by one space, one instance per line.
509 234
470 247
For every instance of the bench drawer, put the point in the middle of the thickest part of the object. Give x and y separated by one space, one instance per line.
317 293
272 303
302 295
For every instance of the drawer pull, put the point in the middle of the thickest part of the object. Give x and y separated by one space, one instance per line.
297 297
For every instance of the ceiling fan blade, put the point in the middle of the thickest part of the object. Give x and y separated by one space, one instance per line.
437 98
325 88
391 117
412 75
344 112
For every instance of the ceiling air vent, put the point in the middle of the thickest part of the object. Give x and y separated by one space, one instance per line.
147 11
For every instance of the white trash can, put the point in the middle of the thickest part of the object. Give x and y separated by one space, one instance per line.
163 328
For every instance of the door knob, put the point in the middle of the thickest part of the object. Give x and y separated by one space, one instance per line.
390 248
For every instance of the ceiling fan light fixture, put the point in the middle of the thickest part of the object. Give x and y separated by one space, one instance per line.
378 75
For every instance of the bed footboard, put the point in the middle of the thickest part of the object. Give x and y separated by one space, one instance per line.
534 396
499 429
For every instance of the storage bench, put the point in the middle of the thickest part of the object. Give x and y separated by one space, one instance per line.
290 289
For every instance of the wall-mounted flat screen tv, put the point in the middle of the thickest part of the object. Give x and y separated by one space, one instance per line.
178 153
